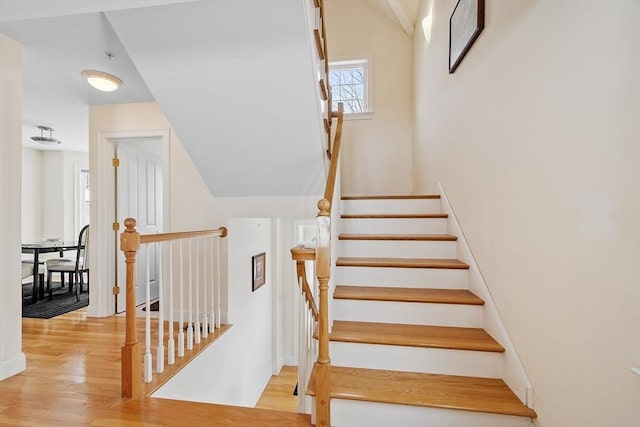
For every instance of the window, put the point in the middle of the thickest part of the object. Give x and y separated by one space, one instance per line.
350 84
82 198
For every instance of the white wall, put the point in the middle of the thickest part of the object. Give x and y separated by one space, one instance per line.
31 195
236 368
12 360
48 193
72 162
535 140
53 194
376 152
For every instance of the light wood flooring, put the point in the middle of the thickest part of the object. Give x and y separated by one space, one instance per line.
73 379
278 395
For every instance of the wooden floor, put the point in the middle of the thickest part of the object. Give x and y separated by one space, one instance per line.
73 379
278 395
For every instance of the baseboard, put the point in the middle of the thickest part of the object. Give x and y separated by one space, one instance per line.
13 366
514 374
289 360
266 377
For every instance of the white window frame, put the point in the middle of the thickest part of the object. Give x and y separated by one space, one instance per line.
79 197
351 60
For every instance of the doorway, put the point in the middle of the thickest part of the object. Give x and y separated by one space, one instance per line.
105 237
139 195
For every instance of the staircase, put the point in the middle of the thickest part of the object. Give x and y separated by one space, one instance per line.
407 346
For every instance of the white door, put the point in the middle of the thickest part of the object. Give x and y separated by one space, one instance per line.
139 196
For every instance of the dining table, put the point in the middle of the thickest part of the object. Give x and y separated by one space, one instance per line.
37 248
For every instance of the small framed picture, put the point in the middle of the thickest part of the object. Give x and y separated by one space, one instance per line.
258 263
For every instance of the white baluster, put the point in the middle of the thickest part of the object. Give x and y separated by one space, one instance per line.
205 320
217 284
171 359
197 288
161 302
147 326
190 298
181 325
213 286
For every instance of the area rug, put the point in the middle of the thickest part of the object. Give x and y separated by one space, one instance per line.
62 302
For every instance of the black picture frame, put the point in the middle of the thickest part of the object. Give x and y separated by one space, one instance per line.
258 270
465 25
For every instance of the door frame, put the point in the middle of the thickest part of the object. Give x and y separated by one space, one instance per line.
101 262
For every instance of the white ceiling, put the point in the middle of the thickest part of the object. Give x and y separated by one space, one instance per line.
234 78
60 39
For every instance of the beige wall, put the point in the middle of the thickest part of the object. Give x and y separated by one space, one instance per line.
377 152
190 200
12 360
189 205
536 140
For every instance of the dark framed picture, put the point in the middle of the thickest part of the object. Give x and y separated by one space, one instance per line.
465 25
258 268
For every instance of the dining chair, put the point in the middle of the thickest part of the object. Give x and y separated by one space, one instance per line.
75 267
27 271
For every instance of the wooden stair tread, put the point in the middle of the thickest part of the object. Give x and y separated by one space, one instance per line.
424 295
489 395
401 237
393 197
401 262
427 336
394 216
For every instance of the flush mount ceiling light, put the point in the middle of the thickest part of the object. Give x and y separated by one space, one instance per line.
102 81
47 140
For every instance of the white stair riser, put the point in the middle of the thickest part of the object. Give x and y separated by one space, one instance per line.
403 277
353 413
397 249
417 359
412 313
407 206
394 226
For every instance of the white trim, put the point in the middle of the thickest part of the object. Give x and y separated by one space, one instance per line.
101 182
514 374
365 58
11 367
401 15
262 384
359 116
636 371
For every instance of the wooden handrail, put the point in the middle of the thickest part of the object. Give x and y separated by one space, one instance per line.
322 253
335 154
130 241
164 237
300 254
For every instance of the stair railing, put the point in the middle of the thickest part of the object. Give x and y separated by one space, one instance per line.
320 39
323 261
307 320
189 283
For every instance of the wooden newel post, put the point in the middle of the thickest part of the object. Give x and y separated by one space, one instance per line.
323 269
130 244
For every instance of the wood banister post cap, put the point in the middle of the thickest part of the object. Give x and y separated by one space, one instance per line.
130 225
324 206
130 238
